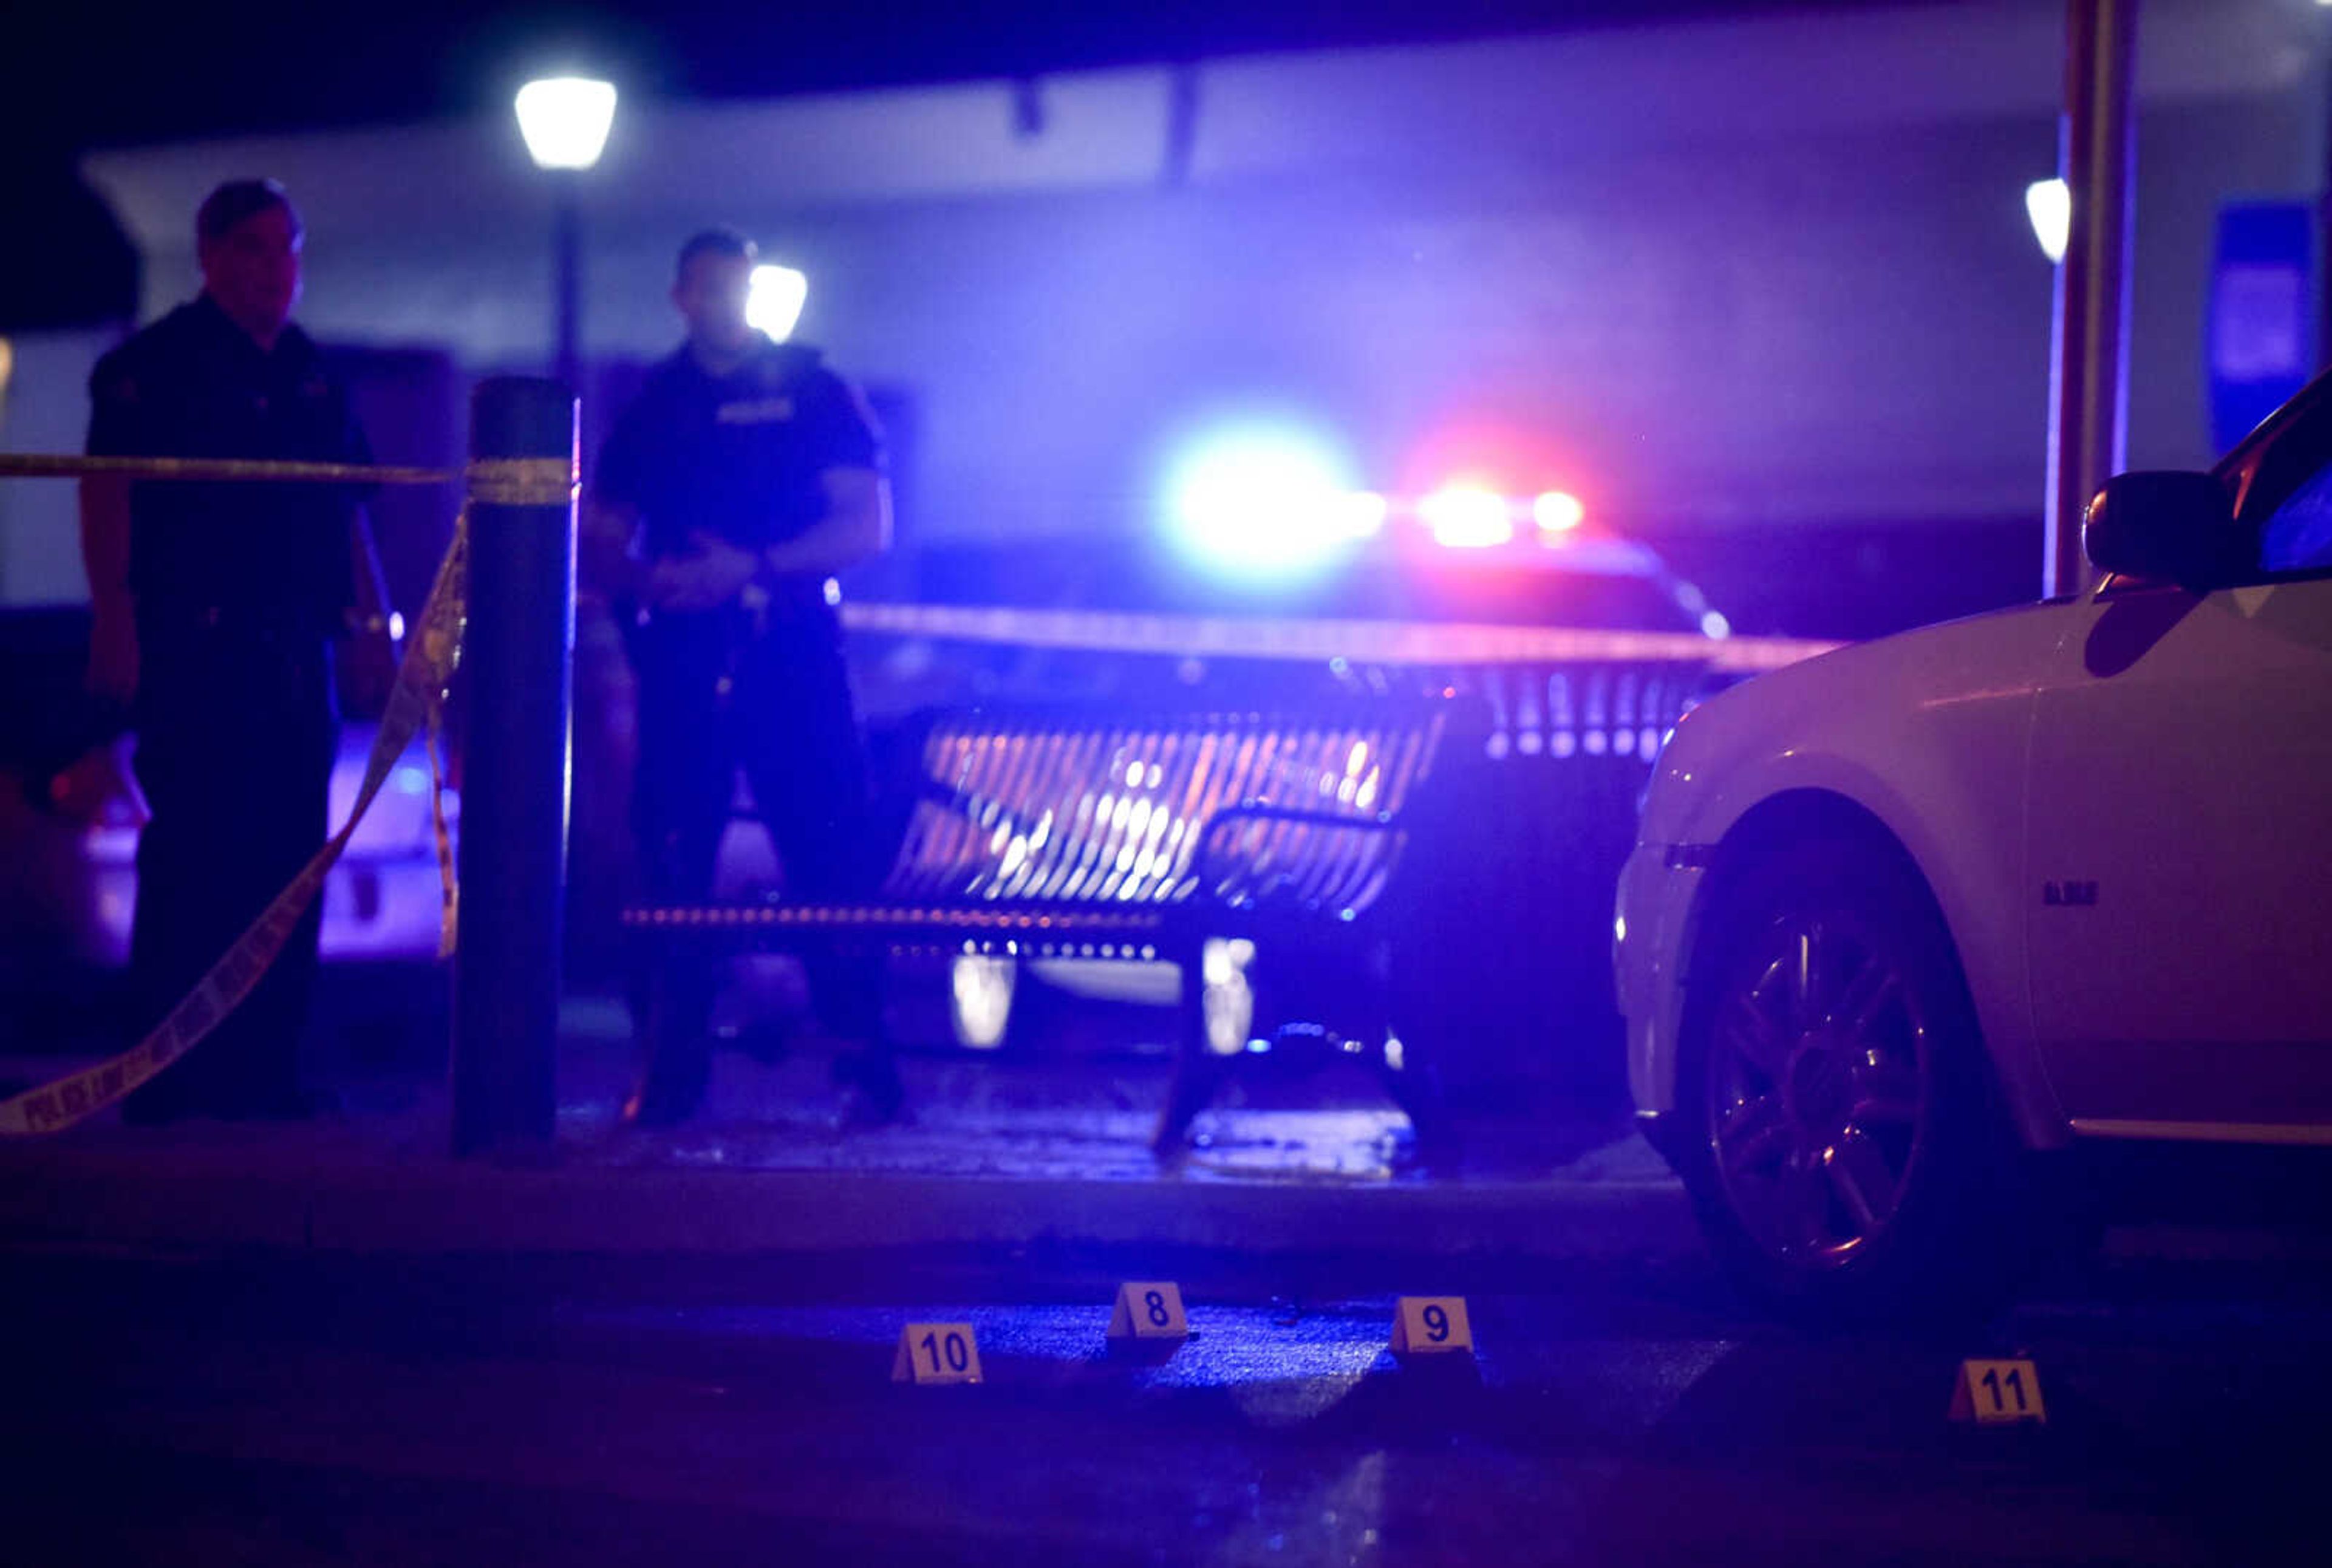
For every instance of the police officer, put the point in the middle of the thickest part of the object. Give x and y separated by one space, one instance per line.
744 476
214 610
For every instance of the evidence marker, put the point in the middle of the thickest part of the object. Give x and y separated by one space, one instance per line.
936 1353
1430 1326
1148 1310
1997 1392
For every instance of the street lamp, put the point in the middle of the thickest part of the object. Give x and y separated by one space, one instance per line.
565 121
2048 202
774 297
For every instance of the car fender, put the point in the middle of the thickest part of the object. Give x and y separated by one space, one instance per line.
1927 734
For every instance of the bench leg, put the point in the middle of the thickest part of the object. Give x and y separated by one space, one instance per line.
1413 1076
1199 1073
1196 1084
670 1014
1417 1090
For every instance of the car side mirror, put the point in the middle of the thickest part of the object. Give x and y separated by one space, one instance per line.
2167 526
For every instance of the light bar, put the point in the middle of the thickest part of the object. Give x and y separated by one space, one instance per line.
1358 514
1463 518
1557 511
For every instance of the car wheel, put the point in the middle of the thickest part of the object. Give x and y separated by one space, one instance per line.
1841 1144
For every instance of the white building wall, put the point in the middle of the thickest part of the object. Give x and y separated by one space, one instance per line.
44 408
1726 272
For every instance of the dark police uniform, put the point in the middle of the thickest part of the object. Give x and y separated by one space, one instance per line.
238 589
759 685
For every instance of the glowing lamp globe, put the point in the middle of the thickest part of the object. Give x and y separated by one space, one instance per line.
565 120
774 297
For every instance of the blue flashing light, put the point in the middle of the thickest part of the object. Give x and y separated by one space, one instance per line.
1267 502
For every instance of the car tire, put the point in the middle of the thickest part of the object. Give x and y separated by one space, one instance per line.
1840 1135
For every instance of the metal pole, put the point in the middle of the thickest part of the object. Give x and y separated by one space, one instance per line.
567 243
2323 231
518 649
2089 391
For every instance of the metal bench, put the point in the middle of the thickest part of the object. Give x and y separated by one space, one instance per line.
1200 838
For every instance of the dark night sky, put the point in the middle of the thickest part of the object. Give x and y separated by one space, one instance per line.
75 75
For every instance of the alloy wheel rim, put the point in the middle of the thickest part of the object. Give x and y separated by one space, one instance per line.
1820 1091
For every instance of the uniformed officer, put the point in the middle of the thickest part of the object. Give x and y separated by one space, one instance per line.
744 476
214 610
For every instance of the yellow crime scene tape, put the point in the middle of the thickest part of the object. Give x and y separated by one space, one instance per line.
416 706
1361 641
32 465
491 481
521 481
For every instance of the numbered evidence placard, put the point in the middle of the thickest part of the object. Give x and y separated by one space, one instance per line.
936 1353
1431 1324
1990 1391
1149 1309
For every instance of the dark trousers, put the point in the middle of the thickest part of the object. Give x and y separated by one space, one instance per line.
236 733
777 705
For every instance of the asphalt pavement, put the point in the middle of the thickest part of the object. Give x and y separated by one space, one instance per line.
307 1413
330 1342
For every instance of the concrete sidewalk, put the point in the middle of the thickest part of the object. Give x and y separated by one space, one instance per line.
1003 1152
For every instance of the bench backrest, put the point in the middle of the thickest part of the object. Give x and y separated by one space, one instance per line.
1090 808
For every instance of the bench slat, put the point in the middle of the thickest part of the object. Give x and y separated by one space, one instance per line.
1048 826
1079 815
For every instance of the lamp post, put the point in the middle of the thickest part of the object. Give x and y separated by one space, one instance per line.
565 120
2089 391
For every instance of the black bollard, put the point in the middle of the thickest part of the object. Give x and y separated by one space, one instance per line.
516 655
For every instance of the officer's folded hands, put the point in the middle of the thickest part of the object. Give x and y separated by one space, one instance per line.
712 573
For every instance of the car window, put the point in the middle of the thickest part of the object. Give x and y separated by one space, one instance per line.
2297 534
2281 479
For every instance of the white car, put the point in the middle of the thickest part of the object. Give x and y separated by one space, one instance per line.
1903 917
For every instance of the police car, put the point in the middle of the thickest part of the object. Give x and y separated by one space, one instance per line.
1906 919
1243 606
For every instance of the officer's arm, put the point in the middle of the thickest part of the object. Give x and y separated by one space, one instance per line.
105 538
105 555
608 564
856 527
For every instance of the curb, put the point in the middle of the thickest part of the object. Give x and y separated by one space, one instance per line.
156 1200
